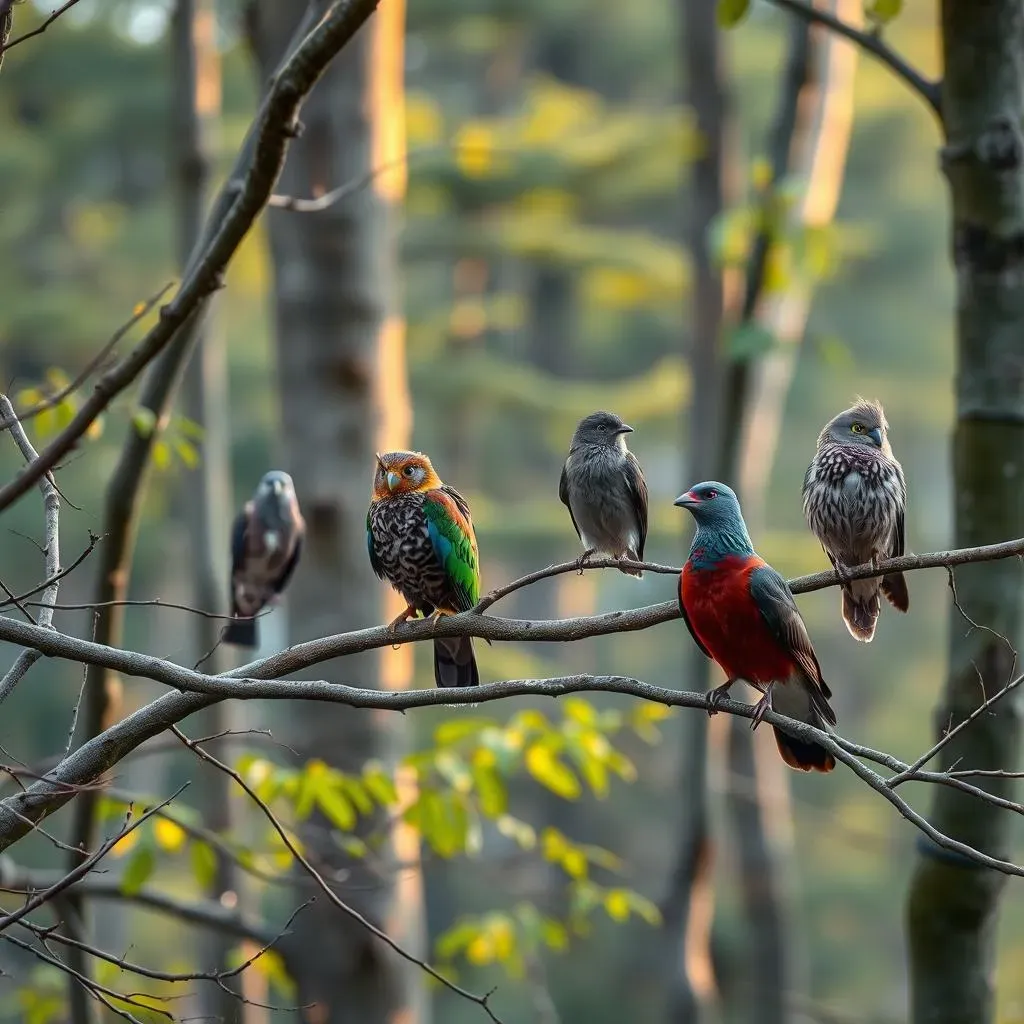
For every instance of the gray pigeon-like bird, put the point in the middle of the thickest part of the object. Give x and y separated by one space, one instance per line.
604 489
855 499
266 542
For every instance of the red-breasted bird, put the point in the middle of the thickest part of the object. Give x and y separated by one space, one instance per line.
421 540
855 500
266 542
741 614
604 489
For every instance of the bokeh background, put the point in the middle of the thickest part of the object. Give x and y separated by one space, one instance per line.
544 272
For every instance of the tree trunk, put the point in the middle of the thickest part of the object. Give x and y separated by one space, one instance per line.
341 377
952 907
207 502
689 905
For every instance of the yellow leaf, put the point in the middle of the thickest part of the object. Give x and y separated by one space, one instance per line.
503 938
574 863
542 764
761 173
169 835
481 950
731 12
474 149
579 710
424 120
95 429
138 309
616 904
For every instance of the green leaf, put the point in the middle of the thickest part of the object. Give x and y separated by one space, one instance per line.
380 784
186 451
456 729
65 412
542 764
336 806
731 12
644 907
456 938
161 455
190 428
204 864
490 790
144 421
748 341
357 793
309 783
554 934
521 831
139 867
883 11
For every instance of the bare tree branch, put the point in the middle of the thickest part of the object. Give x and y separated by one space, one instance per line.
51 549
36 31
872 43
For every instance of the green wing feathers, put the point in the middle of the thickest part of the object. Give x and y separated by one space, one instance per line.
451 534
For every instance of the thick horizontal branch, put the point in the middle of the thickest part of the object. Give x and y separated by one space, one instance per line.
873 44
262 679
277 127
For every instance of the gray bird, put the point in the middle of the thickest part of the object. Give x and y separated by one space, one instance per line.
855 499
604 489
266 541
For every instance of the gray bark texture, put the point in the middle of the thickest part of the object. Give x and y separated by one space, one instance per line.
334 285
952 908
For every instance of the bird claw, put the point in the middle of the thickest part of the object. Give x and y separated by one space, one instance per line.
407 614
583 559
763 705
717 695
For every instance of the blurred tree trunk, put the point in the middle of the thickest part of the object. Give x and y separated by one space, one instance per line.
342 382
952 908
810 141
206 502
689 905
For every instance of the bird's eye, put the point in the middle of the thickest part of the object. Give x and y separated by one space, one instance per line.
711 494
409 470
857 428
603 428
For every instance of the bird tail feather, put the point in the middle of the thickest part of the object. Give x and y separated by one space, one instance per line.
894 586
242 633
803 700
454 662
860 609
633 557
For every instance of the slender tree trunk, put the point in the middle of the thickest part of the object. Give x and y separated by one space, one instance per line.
952 908
689 905
341 374
812 134
207 505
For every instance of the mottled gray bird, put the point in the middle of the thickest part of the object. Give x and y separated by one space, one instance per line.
266 542
604 489
855 498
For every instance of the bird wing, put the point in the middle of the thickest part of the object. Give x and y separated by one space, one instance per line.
281 582
638 493
563 494
450 528
686 618
238 528
899 537
374 560
775 602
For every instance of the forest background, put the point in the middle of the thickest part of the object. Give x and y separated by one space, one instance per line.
542 267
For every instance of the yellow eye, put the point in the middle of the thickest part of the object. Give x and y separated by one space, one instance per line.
857 428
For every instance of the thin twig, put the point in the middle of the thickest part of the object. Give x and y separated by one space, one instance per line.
41 29
872 43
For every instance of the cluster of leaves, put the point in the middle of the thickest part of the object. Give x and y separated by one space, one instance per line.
459 800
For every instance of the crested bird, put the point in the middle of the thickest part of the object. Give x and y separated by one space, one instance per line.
604 489
855 500
420 537
266 542
741 614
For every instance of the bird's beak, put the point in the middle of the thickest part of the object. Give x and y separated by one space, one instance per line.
624 429
876 436
393 479
687 500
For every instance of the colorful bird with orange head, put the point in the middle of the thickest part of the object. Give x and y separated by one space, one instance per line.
420 536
